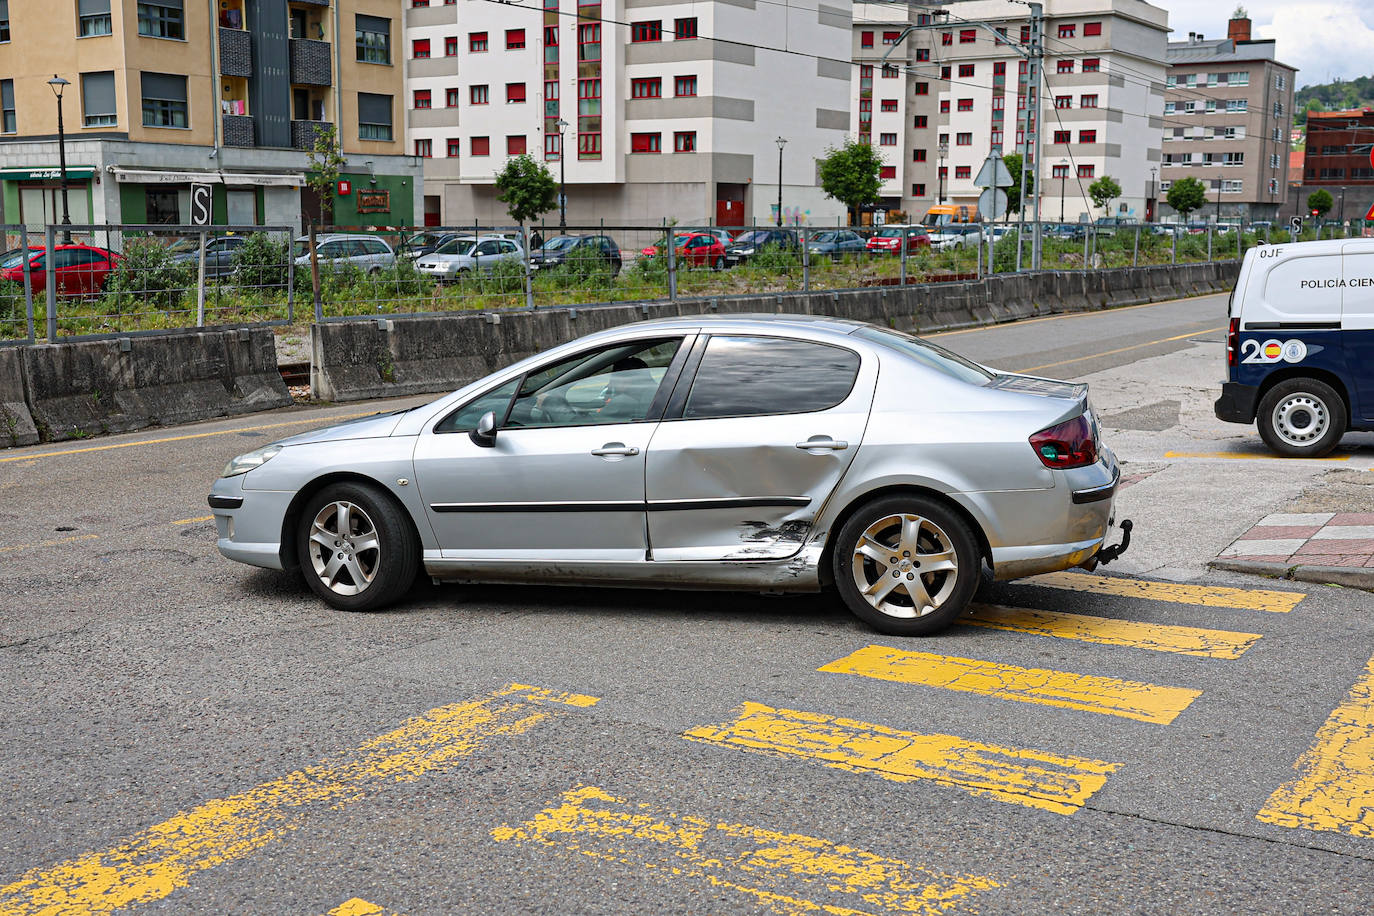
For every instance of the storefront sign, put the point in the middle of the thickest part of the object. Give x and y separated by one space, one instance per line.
345 187
46 174
374 201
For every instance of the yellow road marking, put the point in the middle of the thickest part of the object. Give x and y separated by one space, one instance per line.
55 543
1035 779
1095 314
1149 343
359 907
772 867
1090 693
192 521
1158 637
1336 789
322 421
1250 456
1242 599
153 863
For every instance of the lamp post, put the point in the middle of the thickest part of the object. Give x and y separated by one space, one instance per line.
781 142
1154 194
1341 212
940 170
1063 177
562 174
58 84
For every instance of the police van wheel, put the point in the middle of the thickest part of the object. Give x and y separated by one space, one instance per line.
1301 418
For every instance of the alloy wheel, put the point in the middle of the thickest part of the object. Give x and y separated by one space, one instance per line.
905 566
345 550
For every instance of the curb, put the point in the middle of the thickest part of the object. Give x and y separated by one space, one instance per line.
1321 575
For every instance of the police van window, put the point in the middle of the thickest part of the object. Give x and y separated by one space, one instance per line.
1298 288
1357 297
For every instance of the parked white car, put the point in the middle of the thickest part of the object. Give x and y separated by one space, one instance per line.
367 252
469 254
955 235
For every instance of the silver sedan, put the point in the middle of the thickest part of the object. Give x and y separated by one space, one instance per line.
767 453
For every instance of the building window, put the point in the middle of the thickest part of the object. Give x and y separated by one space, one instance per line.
887 139
1238 78
1064 66
477 42
424 148
551 98
1234 105
965 70
8 124
588 98
589 145
965 105
1059 171
999 103
922 89
1087 101
1067 30
1025 34
156 19
515 93
419 48
963 138
422 99
891 38
918 155
918 190
968 36
515 39
646 88
98 107
451 46
943 171
589 46
1232 185
684 29
373 36
865 39
515 145
923 54
1062 136
1063 101
94 18
685 141
1087 136
646 31
481 146
1001 35
944 106
944 73
1092 29
684 85
553 146
887 172
890 71
454 147
995 139
645 143
963 171
164 100
946 38
920 121
374 116
1086 171
888 105
478 95
1092 64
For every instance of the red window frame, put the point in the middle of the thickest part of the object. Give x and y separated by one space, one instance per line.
922 89
888 138
964 105
887 172
918 155
1063 136
865 39
479 94
918 190
589 145
646 87
920 121
684 30
452 97
944 106
891 38
422 99
1067 30
516 145
1063 66
647 30
963 171
419 48
946 38
589 34
424 148
684 86
966 70
647 142
1087 171
999 68
451 46
1088 100
968 36
1092 29
455 146
1087 136
888 105
477 42
684 141
963 138
480 146
515 93
515 39
1092 64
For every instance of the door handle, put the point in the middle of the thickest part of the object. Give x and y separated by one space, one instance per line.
615 450
823 442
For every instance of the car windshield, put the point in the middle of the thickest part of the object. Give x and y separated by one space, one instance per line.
825 237
560 243
420 240
928 354
889 233
181 245
456 246
757 237
12 259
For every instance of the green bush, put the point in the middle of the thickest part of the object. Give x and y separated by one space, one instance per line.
261 262
12 308
147 275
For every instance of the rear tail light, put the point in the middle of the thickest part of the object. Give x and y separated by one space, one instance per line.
1067 445
1232 342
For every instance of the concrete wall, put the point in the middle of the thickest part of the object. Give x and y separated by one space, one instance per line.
16 424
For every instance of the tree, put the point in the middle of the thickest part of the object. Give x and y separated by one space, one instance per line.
326 163
1186 195
527 188
1013 163
1240 13
849 174
1321 201
1103 191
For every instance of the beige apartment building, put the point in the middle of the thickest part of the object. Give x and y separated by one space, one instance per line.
1228 112
164 94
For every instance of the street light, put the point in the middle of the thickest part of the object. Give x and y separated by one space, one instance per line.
940 170
1154 194
1063 177
562 174
58 84
781 142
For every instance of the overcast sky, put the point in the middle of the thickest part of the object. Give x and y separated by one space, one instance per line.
1324 39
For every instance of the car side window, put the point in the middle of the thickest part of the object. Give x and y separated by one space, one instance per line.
508 248
375 246
614 384
486 248
753 376
465 418
64 257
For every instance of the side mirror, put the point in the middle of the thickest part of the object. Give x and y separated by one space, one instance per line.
485 433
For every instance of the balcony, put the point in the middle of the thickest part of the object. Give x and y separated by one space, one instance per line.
239 130
310 62
235 52
303 133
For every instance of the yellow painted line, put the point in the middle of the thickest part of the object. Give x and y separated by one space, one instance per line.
55 543
153 863
1157 637
1241 599
1051 782
789 873
359 907
321 421
1150 343
1102 313
1270 456
1087 692
192 521
1335 790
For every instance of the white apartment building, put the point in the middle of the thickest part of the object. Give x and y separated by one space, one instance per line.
669 109
959 90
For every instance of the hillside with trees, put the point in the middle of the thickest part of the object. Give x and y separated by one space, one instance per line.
1334 96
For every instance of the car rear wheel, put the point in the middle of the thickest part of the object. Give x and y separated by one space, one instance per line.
719 263
357 549
1301 418
906 565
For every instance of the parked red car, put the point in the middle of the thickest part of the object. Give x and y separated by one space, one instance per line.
889 239
695 249
80 270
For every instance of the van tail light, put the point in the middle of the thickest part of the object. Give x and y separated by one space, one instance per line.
1232 342
1066 445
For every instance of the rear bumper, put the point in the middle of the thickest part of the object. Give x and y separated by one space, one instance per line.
1237 403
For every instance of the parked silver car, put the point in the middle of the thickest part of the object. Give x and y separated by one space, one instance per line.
367 252
469 254
771 453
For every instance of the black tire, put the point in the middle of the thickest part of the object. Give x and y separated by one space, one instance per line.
938 532
1302 418
385 572
719 263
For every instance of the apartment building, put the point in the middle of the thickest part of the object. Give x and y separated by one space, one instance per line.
645 110
961 88
1228 111
1338 160
164 94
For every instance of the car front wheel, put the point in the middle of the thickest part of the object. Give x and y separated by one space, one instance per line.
906 565
1301 418
357 549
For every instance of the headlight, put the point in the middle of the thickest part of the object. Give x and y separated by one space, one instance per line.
245 463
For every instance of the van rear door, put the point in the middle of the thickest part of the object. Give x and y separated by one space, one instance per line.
1357 323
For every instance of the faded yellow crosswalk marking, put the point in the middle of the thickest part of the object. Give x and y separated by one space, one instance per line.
1243 599
53 543
1335 790
359 907
791 873
1157 637
1091 693
1053 782
155 862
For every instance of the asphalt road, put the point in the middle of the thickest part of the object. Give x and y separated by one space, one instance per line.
183 734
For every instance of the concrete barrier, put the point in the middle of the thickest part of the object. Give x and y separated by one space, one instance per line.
16 423
107 386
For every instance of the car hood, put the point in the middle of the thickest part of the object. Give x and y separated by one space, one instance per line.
374 426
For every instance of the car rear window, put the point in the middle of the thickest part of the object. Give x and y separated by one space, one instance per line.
752 376
928 354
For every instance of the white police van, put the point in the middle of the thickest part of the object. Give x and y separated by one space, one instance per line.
1300 347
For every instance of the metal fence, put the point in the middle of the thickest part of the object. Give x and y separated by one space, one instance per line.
88 280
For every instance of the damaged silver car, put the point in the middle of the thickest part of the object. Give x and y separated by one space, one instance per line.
766 453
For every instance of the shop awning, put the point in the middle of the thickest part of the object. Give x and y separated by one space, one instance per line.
46 174
163 176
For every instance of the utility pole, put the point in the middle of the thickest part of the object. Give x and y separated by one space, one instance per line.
1030 158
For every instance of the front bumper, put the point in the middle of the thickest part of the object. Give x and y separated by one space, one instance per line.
1237 403
248 523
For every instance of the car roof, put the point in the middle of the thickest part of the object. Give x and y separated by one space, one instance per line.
747 321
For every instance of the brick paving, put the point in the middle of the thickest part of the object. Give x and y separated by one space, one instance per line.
1344 539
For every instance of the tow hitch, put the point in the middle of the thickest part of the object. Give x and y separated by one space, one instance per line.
1107 554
